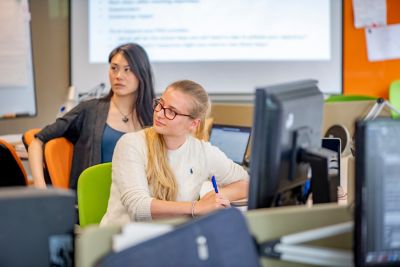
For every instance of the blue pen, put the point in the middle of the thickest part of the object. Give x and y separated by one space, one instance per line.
214 184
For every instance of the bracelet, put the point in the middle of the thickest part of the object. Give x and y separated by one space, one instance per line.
193 206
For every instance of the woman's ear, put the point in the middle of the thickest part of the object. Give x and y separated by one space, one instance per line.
194 124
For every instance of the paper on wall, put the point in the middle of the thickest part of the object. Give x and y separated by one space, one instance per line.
369 13
383 43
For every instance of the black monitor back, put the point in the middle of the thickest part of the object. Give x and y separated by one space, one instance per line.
287 117
36 227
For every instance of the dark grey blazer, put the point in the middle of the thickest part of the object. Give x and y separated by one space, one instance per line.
83 126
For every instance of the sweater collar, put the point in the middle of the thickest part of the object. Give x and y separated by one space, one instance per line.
182 148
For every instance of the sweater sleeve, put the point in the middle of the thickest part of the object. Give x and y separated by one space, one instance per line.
129 175
224 169
68 126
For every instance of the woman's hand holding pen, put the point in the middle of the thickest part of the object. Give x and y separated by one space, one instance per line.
210 202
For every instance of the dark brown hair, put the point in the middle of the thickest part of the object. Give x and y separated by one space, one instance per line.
140 65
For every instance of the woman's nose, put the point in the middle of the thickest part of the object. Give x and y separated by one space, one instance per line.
160 114
119 75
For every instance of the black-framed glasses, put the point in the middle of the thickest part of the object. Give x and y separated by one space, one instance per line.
168 113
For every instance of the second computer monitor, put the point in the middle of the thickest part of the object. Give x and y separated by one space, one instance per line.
232 140
377 210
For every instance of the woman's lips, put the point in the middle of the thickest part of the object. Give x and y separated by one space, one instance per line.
158 123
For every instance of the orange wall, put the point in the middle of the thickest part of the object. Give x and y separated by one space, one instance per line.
360 75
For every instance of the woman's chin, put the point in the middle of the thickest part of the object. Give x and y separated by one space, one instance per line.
158 128
122 92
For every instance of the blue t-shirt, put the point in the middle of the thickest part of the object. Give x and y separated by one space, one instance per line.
110 138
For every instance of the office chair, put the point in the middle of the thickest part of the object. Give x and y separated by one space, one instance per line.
28 137
13 172
58 160
93 193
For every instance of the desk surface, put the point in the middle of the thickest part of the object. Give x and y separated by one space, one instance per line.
265 224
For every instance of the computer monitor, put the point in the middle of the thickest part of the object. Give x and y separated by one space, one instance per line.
232 140
286 141
37 227
377 209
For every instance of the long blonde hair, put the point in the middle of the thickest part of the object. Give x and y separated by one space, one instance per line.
160 176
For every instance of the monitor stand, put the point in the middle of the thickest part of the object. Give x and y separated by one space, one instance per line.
325 177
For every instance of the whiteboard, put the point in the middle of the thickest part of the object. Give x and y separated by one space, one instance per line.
202 44
17 90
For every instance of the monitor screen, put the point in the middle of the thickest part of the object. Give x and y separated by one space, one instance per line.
377 221
286 142
232 140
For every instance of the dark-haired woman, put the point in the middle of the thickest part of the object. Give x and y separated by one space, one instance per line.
95 126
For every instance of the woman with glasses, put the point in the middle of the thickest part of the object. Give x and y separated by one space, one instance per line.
158 172
94 126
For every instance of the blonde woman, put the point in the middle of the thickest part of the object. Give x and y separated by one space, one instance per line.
158 172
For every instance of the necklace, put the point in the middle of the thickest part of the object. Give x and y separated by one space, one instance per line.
125 118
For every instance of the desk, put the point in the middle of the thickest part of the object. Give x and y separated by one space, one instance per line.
265 224
269 224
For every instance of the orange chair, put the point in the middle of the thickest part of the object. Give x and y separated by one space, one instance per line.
13 172
58 160
28 136
27 139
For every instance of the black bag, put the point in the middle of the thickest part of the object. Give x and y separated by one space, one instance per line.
219 239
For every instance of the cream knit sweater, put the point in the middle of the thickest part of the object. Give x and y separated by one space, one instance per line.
193 163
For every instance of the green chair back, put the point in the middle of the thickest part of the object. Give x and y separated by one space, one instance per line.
394 97
342 98
93 193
